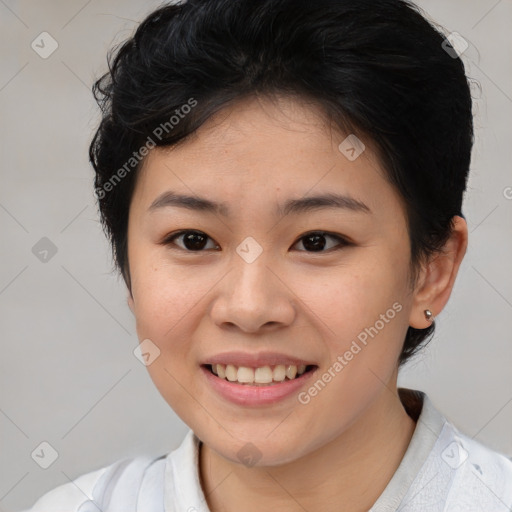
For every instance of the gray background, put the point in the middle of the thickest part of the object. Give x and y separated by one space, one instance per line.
68 374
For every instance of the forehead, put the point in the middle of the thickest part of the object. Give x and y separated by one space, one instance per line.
258 150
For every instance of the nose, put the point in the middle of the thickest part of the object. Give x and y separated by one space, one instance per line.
253 297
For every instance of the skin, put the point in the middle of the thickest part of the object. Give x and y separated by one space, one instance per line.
344 446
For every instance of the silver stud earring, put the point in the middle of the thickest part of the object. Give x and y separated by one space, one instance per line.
428 315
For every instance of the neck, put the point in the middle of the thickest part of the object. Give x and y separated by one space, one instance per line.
352 470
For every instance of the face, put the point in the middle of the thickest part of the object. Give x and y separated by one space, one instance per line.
266 286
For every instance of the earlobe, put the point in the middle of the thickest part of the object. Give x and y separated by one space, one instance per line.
429 315
438 277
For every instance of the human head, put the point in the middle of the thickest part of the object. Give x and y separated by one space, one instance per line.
376 70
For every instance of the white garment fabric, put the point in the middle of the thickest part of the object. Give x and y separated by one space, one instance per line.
441 471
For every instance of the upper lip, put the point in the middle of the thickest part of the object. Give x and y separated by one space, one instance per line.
255 360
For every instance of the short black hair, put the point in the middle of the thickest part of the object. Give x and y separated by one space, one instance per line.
379 70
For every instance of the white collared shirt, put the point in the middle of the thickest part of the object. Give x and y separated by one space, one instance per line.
441 471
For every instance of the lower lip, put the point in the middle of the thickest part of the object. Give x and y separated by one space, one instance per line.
245 394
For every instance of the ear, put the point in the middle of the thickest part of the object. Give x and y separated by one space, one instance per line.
436 279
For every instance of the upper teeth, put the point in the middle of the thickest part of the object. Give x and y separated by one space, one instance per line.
261 375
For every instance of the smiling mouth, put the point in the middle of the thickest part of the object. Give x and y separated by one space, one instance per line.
261 376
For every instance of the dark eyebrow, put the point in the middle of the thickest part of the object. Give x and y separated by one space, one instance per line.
292 206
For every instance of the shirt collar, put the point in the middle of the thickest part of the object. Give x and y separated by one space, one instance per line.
429 424
183 490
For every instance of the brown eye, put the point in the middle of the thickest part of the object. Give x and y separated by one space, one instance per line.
196 241
315 241
193 241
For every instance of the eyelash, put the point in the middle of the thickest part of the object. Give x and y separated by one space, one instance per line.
343 242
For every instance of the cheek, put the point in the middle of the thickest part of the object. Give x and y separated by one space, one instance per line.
163 292
364 321
167 305
364 311
164 299
354 296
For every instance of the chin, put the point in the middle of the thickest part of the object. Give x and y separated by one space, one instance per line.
253 447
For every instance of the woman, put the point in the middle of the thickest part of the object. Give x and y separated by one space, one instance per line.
282 184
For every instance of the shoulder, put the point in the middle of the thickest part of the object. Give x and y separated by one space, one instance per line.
85 492
481 475
458 473
69 496
486 461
